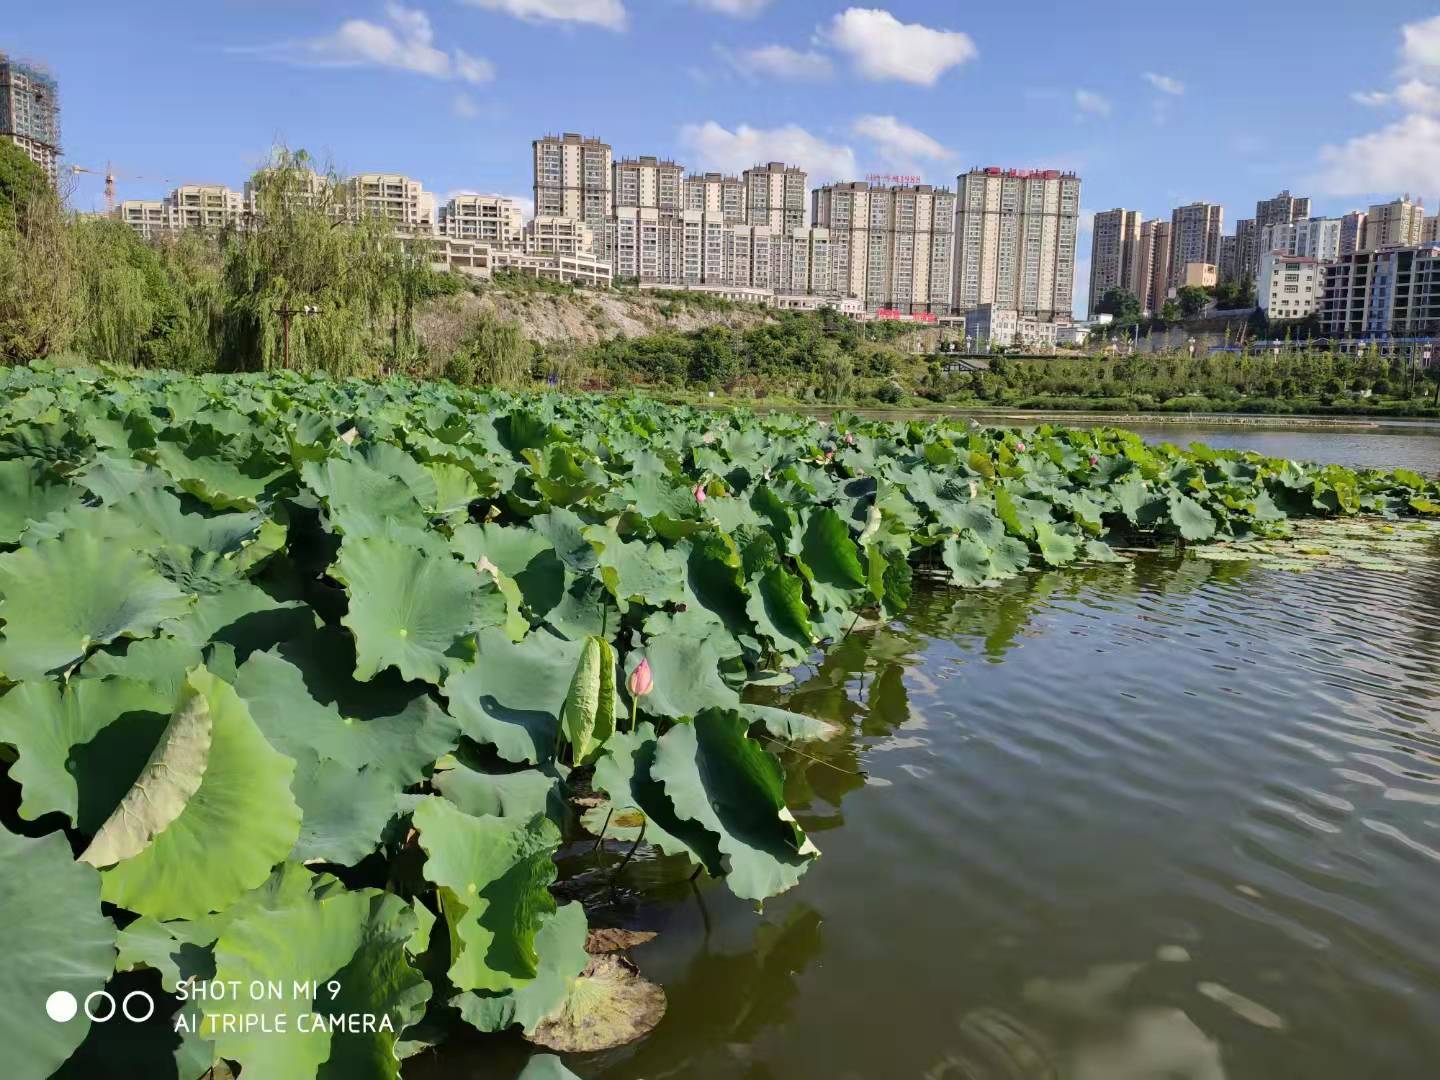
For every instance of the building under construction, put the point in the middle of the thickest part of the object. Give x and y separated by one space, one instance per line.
30 113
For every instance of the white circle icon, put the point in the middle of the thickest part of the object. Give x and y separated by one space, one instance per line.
145 998
108 999
61 1006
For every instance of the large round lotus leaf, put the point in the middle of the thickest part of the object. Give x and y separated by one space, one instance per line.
830 560
326 936
52 939
221 469
61 597
521 794
412 607
79 746
560 945
494 875
240 821
512 696
29 493
609 1005
363 496
719 778
343 811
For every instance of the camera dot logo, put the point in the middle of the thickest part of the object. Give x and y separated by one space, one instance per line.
61 1006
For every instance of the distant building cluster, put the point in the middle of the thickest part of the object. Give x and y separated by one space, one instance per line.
1366 274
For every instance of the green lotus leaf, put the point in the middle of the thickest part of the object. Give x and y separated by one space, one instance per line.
721 779
494 875
1057 546
343 811
830 560
178 950
367 491
1192 519
560 946
240 821
28 493
545 1067
221 469
636 572
512 696
412 607
166 783
521 554
62 597
53 939
624 773
329 953
519 794
80 745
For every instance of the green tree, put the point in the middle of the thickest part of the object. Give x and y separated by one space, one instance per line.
1122 304
21 182
1193 299
39 293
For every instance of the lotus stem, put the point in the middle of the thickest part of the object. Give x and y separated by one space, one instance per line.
601 838
615 874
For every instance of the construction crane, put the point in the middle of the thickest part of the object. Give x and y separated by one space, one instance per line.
110 176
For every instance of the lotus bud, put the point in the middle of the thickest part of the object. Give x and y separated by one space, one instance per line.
849 439
1019 445
1094 461
700 492
641 681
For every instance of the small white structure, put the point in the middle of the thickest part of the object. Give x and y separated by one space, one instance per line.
1006 327
1289 286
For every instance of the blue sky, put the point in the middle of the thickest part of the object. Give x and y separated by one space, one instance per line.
1154 105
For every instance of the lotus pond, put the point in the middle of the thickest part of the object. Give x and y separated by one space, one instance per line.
410 702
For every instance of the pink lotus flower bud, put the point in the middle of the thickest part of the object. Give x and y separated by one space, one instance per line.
829 455
641 682
1019 445
849 439
700 492
1094 461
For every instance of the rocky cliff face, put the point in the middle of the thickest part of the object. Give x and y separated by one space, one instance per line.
583 317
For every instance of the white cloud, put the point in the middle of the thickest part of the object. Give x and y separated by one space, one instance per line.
1088 101
719 148
1420 52
741 9
607 13
782 62
404 42
1164 83
1405 156
899 142
1372 98
464 106
1418 96
880 46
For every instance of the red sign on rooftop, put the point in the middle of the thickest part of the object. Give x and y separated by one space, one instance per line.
891 178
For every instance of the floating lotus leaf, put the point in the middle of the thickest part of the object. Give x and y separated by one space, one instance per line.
609 1005
560 946
53 939
29 492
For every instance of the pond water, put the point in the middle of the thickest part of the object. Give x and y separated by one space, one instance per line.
1172 819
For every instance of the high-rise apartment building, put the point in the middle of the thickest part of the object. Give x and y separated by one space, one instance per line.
1114 254
1314 238
493 219
1352 231
649 183
1394 224
572 180
1015 236
558 236
1247 244
1228 268
402 200
1430 229
891 247
1281 210
775 195
717 194
190 206
1194 237
30 113
1155 253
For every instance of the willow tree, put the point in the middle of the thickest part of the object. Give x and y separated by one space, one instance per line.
39 295
309 249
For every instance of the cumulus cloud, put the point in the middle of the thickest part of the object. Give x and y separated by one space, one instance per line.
881 47
781 62
1164 83
1404 156
717 147
898 142
404 42
607 13
1372 98
1091 103
741 9
1420 48
1418 96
